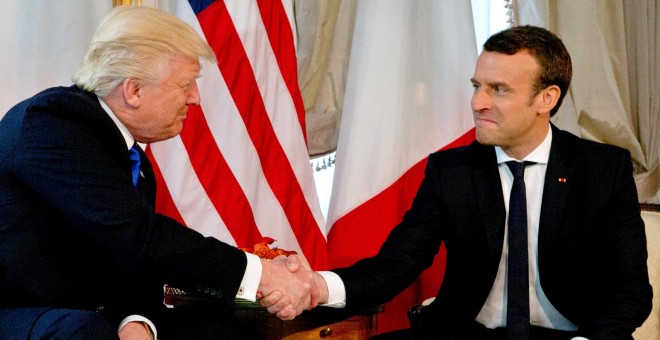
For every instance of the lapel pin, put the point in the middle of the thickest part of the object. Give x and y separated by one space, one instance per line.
562 180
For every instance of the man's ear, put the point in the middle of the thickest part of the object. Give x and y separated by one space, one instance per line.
131 91
549 98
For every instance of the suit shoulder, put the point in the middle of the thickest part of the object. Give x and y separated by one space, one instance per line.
449 155
70 96
462 155
56 100
591 149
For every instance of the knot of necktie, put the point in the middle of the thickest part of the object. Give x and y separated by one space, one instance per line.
134 155
518 168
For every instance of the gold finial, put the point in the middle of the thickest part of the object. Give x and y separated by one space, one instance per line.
127 2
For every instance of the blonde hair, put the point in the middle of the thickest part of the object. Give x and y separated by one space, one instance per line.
137 42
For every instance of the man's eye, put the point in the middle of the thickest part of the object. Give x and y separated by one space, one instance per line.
500 90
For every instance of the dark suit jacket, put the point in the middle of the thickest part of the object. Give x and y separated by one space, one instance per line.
592 244
75 233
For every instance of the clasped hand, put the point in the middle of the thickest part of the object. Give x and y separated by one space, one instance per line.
288 286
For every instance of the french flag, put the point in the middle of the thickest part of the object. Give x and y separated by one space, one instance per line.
407 95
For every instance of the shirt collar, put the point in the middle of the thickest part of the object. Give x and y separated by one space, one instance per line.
124 131
540 155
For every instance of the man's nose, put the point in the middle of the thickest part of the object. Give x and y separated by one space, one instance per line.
194 96
480 100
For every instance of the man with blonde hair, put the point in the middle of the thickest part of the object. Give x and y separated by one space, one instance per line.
83 254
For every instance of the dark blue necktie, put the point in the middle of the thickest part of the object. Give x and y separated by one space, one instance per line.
517 317
135 163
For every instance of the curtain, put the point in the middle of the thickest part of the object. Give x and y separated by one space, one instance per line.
325 32
43 44
614 48
643 47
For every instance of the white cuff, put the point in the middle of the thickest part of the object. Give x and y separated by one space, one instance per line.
336 290
250 283
138 318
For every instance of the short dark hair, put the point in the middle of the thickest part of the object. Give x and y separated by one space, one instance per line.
548 50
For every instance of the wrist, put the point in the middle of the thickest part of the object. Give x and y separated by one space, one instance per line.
323 288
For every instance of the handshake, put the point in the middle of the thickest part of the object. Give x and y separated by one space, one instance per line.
288 286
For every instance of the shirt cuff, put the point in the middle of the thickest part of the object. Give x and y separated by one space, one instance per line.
336 290
138 318
250 283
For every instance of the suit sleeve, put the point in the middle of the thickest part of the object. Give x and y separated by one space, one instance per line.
626 302
408 250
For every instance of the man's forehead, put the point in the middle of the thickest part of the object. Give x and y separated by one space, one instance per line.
504 65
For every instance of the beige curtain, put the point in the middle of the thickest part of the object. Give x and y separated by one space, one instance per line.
614 93
643 47
325 31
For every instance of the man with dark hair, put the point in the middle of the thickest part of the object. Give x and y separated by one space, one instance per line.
543 230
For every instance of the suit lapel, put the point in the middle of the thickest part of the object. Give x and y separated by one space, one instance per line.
556 187
488 190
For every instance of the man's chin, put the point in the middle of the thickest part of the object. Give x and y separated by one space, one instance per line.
484 138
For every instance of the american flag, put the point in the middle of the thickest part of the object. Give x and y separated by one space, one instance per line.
240 169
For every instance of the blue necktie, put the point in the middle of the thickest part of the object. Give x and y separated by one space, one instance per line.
517 317
135 163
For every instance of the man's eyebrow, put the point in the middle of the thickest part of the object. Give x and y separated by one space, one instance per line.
498 83
490 84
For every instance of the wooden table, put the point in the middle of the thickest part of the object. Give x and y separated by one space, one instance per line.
319 323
